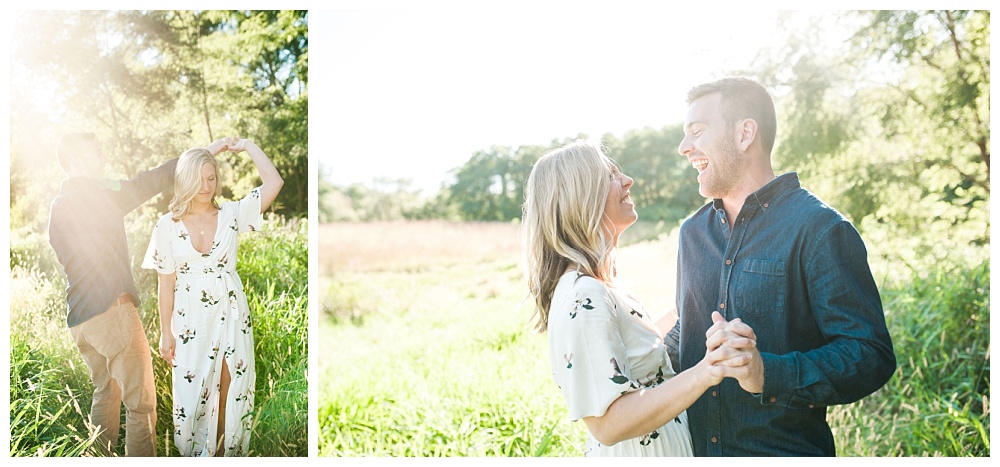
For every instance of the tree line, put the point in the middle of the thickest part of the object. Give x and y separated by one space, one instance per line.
891 128
151 84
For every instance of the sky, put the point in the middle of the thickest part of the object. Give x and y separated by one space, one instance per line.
414 93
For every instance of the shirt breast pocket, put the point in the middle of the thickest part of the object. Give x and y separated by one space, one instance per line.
760 288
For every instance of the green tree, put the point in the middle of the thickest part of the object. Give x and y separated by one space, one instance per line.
151 84
271 48
490 186
892 128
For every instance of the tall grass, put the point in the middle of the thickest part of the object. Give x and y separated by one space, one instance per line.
937 402
436 358
51 391
45 416
441 365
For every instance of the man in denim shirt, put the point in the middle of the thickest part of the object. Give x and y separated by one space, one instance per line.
791 268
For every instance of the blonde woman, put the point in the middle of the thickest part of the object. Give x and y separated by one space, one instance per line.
205 325
606 354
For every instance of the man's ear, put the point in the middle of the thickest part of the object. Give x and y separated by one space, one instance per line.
747 129
70 165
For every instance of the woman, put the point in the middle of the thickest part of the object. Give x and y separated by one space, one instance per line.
606 354
205 324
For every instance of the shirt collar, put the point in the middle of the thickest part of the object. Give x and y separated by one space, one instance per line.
768 193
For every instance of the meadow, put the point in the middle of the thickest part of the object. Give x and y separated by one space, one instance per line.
426 350
50 388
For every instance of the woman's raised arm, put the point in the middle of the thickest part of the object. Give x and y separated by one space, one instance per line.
269 176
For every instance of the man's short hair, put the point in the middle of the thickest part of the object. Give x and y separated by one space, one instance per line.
70 146
742 98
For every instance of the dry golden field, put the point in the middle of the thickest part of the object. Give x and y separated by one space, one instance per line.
412 245
416 246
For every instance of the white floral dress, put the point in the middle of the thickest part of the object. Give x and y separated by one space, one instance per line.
603 344
211 322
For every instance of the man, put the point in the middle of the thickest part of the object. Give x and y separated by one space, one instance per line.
87 232
791 268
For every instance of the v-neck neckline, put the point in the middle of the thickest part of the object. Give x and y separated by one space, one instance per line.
190 238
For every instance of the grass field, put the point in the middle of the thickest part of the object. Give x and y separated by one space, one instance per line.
426 350
50 388
433 357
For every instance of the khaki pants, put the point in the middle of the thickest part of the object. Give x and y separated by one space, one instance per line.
114 347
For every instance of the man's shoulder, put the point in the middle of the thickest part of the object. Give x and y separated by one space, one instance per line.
73 192
818 212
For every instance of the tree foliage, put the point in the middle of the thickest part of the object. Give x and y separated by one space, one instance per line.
384 199
490 186
152 84
892 128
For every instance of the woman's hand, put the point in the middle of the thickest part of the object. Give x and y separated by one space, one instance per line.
733 348
167 344
237 144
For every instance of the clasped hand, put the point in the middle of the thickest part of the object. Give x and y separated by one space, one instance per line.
229 143
731 352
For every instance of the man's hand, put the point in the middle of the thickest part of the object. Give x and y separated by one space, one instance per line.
738 335
217 146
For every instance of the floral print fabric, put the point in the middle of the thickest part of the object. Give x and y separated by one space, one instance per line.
603 344
212 324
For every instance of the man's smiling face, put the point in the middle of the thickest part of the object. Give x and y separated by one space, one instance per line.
710 145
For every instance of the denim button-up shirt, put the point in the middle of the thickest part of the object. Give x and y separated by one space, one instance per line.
796 271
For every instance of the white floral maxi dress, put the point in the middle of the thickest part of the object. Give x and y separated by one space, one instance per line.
603 344
211 323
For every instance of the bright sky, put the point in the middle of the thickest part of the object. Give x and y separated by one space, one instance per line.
413 94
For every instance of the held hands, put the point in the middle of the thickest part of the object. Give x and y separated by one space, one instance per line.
217 146
731 351
229 143
237 144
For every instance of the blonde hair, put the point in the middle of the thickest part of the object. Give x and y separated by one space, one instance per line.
562 220
187 181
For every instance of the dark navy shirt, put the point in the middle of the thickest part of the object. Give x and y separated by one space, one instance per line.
797 272
87 232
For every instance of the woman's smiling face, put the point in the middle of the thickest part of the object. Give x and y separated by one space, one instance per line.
619 211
